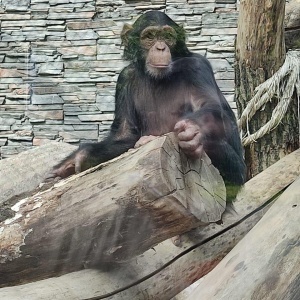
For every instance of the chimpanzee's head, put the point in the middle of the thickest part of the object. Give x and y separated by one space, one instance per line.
153 43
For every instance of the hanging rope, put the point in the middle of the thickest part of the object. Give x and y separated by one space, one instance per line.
282 86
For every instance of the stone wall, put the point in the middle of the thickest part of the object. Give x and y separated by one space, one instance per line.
60 59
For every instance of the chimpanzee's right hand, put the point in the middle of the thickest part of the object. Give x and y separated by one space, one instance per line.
74 163
189 138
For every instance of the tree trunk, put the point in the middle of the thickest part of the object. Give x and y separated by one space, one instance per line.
265 264
292 24
184 271
259 53
110 213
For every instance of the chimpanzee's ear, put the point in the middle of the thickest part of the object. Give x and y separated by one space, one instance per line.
125 33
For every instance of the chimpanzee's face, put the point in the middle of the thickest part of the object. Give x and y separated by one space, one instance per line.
153 43
157 43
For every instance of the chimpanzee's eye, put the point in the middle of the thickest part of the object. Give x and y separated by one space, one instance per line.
150 36
170 40
149 33
169 35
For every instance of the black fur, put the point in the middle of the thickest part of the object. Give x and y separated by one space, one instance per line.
146 105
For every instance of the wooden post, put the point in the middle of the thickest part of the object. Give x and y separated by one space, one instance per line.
292 24
260 52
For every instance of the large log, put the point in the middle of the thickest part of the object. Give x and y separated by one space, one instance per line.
21 174
184 271
110 213
266 263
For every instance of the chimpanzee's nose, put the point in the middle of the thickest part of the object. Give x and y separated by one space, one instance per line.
160 46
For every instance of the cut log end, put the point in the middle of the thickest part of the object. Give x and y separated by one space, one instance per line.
110 213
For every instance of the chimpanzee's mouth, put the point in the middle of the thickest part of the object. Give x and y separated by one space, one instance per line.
158 71
158 66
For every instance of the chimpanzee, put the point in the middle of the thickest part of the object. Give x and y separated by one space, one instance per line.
165 88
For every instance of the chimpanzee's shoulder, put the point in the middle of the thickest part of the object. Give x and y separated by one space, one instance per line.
126 73
193 63
198 60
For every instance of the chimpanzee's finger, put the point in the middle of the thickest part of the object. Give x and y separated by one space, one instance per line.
180 126
188 134
193 153
198 152
190 144
77 164
51 177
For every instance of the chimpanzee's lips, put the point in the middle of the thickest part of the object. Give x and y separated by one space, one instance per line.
158 66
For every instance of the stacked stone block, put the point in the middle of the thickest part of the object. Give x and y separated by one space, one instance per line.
60 59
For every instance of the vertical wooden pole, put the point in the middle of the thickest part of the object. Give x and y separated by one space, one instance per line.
260 51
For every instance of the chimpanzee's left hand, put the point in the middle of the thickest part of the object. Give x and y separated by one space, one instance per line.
145 139
189 138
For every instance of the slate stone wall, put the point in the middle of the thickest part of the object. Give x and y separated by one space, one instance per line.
60 59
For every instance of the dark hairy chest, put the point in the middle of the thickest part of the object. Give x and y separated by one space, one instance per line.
160 104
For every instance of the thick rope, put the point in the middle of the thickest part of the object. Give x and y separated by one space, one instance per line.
282 86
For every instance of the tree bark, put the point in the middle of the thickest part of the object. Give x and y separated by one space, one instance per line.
269 268
110 213
22 173
260 52
177 276
292 24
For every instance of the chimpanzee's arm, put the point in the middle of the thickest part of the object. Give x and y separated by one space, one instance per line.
123 136
212 126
